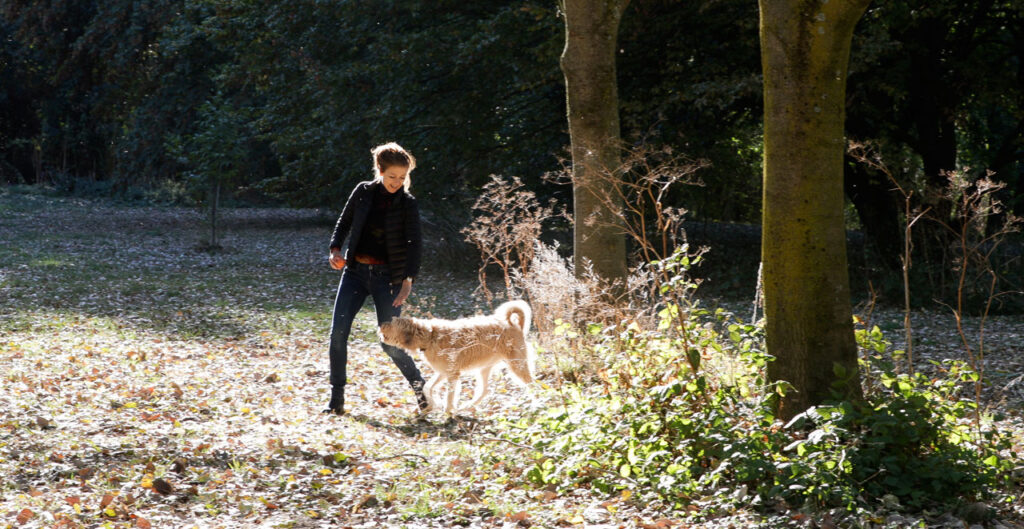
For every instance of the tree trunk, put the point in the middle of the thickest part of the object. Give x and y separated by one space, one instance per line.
805 46
588 63
878 210
932 111
214 203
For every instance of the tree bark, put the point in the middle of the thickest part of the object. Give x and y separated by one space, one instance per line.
592 105
805 47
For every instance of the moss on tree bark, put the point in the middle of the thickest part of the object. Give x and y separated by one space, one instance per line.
805 46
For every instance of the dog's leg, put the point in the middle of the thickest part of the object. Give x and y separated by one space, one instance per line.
428 391
481 390
454 387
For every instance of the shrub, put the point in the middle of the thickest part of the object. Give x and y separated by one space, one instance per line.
682 413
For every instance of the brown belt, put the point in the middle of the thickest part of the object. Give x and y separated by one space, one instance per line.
369 260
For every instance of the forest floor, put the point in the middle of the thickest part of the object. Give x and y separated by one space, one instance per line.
146 383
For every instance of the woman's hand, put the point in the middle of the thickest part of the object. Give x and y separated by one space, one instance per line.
403 294
336 260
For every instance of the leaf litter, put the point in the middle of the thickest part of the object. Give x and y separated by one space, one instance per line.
149 384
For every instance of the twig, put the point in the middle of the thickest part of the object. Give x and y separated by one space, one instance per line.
905 259
616 474
425 460
871 477
758 293
513 443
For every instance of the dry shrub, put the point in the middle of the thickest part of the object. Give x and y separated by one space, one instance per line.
509 220
563 305
572 308
639 189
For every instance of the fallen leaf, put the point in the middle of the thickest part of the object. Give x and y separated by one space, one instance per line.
24 516
517 517
162 486
366 502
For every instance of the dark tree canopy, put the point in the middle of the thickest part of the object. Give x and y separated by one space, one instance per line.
120 96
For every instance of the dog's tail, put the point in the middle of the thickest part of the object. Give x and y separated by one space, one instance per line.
518 309
518 314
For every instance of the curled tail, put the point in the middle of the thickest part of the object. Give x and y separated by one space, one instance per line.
518 314
518 309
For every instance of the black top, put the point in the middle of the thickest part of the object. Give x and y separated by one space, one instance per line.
372 241
403 241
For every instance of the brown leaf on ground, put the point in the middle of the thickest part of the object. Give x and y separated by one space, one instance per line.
366 502
162 486
24 516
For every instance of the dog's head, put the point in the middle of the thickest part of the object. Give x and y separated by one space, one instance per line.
400 332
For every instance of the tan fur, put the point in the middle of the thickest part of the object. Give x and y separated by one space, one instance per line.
479 343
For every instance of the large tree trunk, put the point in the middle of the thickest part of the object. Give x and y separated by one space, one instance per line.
588 63
805 46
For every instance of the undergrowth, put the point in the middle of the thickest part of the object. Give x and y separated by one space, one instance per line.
679 415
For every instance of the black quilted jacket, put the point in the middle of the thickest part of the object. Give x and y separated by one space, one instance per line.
403 238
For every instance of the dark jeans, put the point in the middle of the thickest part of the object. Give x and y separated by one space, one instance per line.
359 281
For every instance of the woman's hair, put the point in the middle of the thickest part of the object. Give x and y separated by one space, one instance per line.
391 154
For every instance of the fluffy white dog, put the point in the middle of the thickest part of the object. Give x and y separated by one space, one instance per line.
479 343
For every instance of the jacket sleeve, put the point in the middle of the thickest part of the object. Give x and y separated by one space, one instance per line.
414 238
344 224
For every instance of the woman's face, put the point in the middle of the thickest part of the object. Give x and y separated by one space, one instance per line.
394 177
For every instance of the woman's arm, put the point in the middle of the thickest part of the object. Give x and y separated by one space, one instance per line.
344 224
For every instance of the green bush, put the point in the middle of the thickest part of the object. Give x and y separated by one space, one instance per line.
684 413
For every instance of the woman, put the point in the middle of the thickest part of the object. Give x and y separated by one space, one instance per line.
379 229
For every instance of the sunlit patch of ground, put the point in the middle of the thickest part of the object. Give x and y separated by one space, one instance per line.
146 383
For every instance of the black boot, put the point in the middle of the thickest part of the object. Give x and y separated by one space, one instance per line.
421 399
337 404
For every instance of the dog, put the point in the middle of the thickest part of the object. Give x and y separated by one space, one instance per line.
478 343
